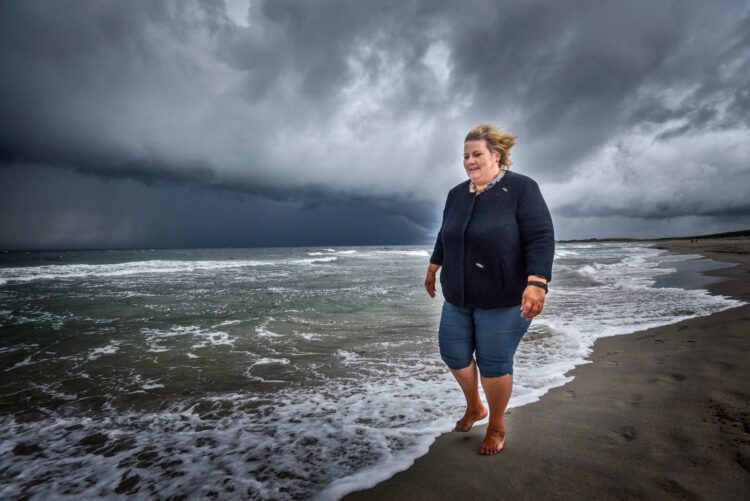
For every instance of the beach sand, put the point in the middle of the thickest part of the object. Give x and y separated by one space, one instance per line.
658 414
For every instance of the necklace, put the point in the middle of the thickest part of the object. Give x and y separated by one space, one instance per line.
473 187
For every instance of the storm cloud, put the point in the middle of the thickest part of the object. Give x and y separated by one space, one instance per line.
632 116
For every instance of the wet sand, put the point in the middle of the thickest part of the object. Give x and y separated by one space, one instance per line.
658 414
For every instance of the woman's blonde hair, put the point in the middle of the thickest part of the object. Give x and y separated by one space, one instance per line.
496 139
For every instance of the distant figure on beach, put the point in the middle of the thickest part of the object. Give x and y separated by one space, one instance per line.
496 246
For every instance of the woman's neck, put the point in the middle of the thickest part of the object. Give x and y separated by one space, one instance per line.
482 184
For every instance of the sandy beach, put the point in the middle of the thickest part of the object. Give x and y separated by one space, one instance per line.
658 414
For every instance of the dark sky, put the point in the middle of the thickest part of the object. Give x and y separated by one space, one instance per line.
144 123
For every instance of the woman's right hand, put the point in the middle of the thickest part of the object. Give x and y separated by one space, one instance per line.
429 281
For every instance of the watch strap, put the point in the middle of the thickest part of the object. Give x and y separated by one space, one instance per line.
537 283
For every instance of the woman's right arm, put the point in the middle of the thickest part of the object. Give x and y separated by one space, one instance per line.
429 281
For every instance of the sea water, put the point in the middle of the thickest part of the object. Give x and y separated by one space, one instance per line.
268 373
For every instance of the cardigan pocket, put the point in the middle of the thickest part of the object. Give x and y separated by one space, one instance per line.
487 276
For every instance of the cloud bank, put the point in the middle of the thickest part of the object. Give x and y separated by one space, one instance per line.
629 114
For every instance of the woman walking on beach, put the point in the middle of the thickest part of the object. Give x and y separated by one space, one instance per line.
496 246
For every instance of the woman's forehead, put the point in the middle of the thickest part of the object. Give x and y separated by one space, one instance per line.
475 144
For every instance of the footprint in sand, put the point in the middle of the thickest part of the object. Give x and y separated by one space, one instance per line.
744 461
636 401
727 366
629 433
672 378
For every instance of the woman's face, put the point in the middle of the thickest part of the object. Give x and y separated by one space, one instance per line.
480 163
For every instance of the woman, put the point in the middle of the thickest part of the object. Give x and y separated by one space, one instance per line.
495 246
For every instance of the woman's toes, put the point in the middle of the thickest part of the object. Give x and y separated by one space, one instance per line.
470 417
463 428
493 443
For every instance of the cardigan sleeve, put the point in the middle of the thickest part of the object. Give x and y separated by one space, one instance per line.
437 253
537 233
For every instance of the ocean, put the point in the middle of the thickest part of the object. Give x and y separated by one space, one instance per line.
277 373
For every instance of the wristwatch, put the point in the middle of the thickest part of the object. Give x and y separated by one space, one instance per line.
543 285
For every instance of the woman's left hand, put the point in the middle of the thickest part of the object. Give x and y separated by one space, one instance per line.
532 302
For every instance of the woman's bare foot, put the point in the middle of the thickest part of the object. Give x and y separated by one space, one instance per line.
470 417
494 441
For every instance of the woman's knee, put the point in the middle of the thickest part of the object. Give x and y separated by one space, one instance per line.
494 368
456 363
456 358
456 337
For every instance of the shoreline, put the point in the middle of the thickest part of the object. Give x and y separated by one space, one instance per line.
659 413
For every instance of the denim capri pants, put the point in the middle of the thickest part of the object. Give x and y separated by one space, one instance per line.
493 333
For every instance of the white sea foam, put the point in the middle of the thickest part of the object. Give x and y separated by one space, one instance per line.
327 259
52 320
310 336
262 329
257 455
263 332
157 266
410 253
348 357
213 338
266 361
104 350
156 339
64 271
22 363
51 390
564 253
19 346
228 322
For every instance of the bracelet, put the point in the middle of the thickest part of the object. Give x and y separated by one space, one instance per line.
538 284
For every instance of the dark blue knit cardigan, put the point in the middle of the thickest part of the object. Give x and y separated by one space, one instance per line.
490 243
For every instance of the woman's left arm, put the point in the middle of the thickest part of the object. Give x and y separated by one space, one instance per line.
538 243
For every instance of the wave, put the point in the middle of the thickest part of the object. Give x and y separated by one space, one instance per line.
157 266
